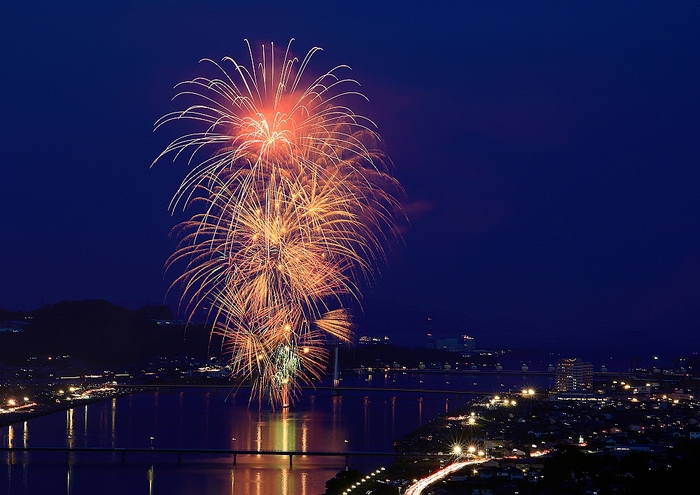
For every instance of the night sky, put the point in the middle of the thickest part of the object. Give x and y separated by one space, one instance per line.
550 152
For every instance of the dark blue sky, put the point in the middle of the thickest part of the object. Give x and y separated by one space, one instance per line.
550 151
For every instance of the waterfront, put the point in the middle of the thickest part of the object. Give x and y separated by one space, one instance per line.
206 418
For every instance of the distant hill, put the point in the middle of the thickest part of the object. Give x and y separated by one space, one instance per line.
407 325
98 332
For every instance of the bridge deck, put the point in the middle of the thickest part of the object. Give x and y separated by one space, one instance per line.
220 452
177 450
155 386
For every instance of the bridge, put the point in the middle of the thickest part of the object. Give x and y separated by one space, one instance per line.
179 452
229 386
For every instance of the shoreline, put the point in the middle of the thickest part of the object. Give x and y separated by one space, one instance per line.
11 418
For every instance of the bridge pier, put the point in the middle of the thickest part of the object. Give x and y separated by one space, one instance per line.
124 458
347 462
234 458
290 460
179 459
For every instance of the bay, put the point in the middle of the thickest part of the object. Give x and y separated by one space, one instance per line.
356 420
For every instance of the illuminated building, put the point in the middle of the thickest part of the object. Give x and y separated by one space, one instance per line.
368 340
467 343
573 375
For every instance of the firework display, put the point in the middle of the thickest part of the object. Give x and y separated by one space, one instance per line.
293 205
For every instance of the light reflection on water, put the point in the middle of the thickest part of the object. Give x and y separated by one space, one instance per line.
69 480
69 428
320 421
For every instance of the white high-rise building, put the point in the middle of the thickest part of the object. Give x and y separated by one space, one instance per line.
573 375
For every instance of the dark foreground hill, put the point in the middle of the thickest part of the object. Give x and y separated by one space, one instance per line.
99 332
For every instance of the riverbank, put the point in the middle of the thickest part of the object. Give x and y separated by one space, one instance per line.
52 405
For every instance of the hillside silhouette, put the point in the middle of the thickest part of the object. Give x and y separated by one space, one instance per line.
98 332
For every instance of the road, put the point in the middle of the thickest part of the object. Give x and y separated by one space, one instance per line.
418 487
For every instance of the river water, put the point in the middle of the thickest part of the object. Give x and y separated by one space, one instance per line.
359 420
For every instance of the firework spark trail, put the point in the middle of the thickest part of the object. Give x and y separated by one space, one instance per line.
294 204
